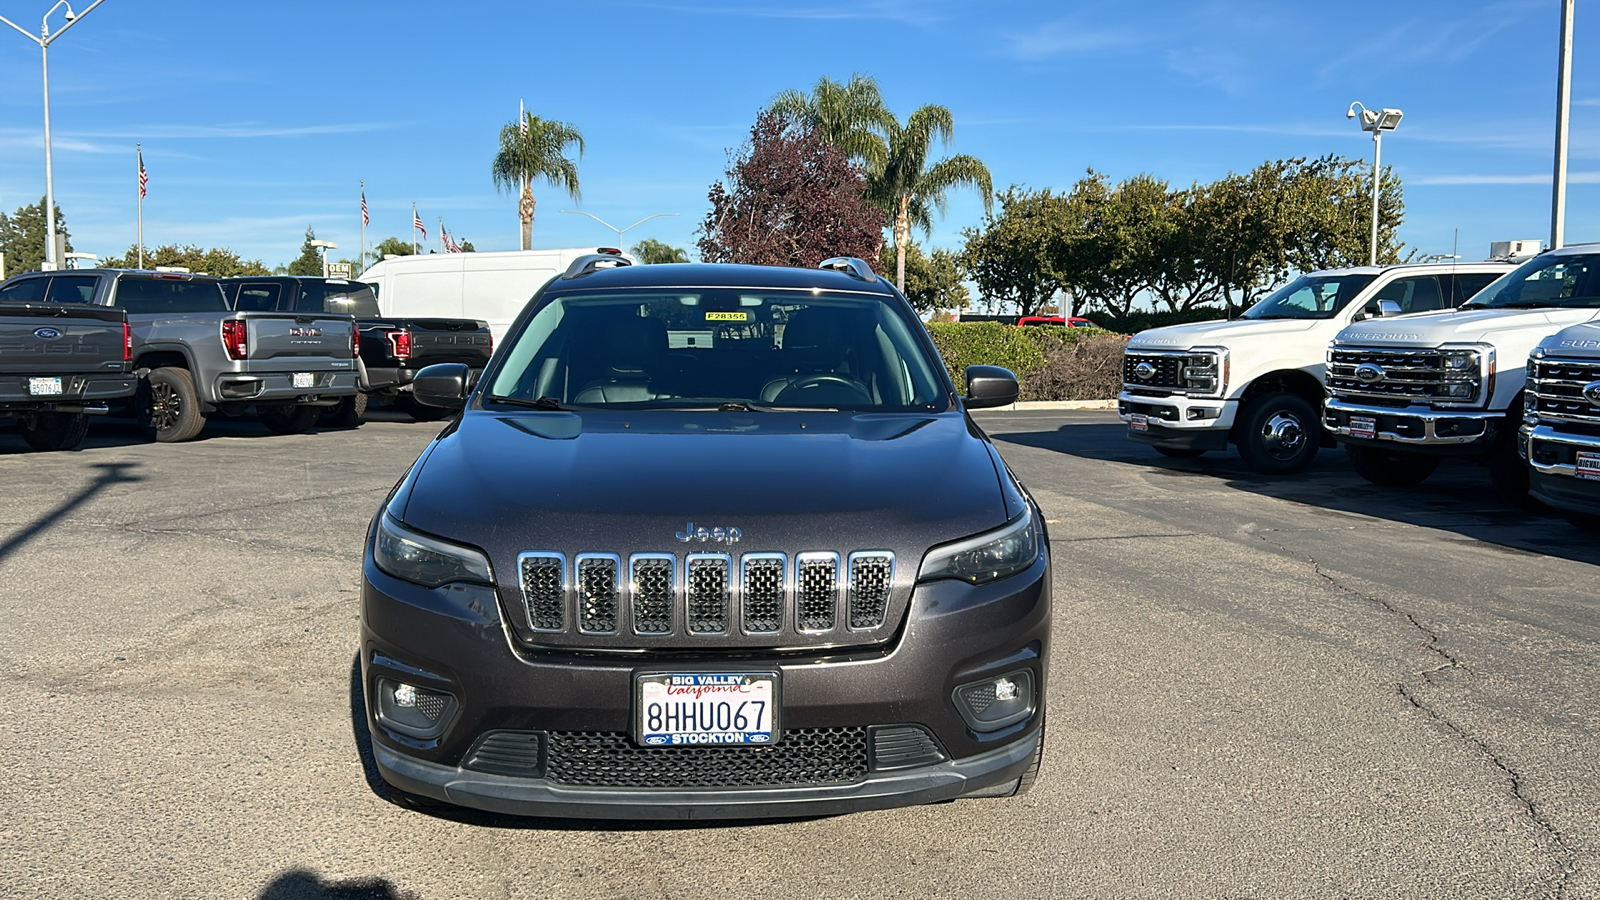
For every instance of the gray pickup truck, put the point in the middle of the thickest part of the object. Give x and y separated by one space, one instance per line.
58 364
195 357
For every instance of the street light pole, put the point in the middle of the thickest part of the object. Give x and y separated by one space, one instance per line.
1558 195
620 231
43 40
1377 122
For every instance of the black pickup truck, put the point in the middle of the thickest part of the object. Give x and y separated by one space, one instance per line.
392 349
58 363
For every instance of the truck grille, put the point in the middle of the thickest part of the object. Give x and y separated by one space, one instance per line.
706 594
1407 376
1168 370
1555 390
802 756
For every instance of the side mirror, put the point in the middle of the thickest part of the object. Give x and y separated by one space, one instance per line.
989 386
1388 308
443 385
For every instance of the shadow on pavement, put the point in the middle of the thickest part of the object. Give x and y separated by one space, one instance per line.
1457 498
298 884
110 474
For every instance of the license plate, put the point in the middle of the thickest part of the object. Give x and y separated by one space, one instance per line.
705 708
1588 465
1363 427
1138 422
44 387
305 379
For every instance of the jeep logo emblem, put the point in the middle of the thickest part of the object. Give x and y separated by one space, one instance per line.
1367 373
1144 371
1591 393
701 534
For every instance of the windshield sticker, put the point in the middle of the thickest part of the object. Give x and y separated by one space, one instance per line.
727 317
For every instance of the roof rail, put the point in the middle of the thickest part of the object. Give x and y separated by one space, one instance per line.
850 265
594 262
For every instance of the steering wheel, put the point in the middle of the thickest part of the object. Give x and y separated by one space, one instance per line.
825 389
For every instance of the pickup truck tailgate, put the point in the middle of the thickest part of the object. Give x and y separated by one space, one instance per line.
449 340
67 339
298 340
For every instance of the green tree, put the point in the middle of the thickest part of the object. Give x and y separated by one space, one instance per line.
1014 256
536 148
933 281
651 251
850 116
218 261
23 236
392 246
909 189
308 262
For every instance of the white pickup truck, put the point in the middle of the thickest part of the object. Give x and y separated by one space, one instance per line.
1404 394
1561 423
1256 381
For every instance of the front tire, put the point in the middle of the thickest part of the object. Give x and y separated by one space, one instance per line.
1278 434
55 430
1391 468
170 407
292 419
348 414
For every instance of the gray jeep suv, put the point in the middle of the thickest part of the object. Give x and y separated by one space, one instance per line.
708 541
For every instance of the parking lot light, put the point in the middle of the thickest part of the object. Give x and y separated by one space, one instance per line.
1376 121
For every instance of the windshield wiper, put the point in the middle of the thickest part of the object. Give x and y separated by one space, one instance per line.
1521 304
1274 316
549 403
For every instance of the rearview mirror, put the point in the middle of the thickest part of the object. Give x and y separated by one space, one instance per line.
989 386
443 385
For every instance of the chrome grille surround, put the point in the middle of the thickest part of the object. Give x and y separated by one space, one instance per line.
816 602
871 579
763 592
1408 376
706 592
1168 367
652 587
543 576
599 592
1555 390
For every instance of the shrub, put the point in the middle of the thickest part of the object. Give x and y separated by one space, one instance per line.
1089 368
1025 351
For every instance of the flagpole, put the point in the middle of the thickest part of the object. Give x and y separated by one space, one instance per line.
138 176
413 227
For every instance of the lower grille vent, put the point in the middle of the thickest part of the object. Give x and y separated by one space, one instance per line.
802 756
518 753
904 747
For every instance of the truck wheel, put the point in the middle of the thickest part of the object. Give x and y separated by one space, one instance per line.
54 430
1179 452
1278 434
348 414
1508 471
1391 468
169 406
290 418
422 412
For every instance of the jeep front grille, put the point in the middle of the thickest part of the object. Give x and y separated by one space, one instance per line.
706 594
1555 390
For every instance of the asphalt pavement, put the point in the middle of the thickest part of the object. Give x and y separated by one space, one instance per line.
1260 687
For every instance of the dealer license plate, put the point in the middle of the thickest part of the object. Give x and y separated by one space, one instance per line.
703 708
1138 422
305 379
1588 465
44 387
1363 427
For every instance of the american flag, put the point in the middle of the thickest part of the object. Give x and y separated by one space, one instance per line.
365 219
144 179
450 245
416 222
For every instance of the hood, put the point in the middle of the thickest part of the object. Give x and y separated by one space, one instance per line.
1201 334
1493 326
629 482
1579 341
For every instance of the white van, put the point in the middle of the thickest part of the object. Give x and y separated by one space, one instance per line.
489 286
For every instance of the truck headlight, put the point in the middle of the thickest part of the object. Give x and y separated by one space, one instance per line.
1466 373
1205 370
985 557
428 561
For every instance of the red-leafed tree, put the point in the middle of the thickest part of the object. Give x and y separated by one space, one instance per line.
789 199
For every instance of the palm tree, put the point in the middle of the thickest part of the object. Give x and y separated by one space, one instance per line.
909 189
850 116
536 148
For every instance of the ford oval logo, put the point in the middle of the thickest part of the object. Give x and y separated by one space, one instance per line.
1144 371
1591 393
1367 373
46 334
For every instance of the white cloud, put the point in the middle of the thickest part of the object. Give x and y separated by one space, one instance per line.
1545 178
1064 38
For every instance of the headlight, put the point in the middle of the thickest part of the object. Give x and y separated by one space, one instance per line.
987 557
1205 370
430 562
1465 371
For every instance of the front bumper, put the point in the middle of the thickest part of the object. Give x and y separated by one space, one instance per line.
1178 421
452 640
1554 478
1417 427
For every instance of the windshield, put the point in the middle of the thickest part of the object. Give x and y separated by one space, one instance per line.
710 347
154 294
1544 282
348 297
1310 297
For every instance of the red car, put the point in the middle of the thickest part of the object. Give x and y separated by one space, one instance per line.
1072 321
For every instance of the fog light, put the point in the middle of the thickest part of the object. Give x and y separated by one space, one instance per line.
994 703
413 711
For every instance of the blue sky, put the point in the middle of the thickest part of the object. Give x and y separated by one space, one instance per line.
260 119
